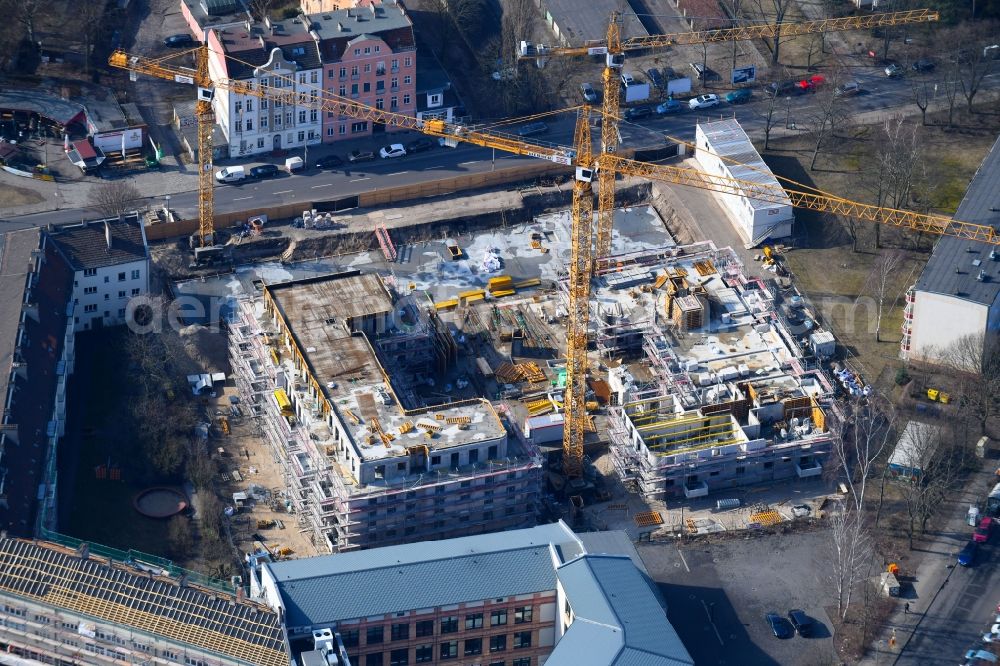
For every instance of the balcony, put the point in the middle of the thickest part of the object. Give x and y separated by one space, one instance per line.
693 489
355 77
808 469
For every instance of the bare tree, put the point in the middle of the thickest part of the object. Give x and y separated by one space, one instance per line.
91 21
880 281
974 360
260 9
973 67
950 85
826 118
114 197
26 13
814 46
921 97
774 11
852 551
895 168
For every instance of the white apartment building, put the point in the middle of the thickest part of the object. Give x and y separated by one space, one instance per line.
110 264
280 56
724 149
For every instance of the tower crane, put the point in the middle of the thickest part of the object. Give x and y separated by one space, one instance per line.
614 49
587 167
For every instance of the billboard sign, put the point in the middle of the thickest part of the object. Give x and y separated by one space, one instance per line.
744 75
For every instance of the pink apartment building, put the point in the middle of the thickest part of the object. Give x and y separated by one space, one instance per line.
369 55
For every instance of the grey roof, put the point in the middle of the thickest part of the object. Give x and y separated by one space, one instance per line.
386 21
56 109
580 22
729 141
85 245
617 619
323 590
955 264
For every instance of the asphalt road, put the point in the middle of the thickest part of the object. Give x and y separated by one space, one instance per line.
962 612
881 93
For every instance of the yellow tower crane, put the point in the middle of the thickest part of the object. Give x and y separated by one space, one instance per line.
614 50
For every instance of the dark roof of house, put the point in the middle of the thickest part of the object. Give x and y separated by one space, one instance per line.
956 265
85 245
60 111
209 13
386 21
247 49
431 77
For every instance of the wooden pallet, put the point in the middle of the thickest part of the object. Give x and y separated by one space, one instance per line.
766 518
648 519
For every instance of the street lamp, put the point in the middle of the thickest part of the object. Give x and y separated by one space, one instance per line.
788 103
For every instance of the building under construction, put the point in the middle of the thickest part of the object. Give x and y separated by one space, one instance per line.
334 368
717 385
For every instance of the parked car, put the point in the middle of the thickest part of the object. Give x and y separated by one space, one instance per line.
329 162
670 106
627 79
741 96
588 92
420 145
179 41
848 89
978 657
392 150
982 533
504 74
638 112
264 171
655 77
780 627
803 623
993 635
783 88
967 555
360 156
532 128
923 65
893 71
703 101
233 174
668 74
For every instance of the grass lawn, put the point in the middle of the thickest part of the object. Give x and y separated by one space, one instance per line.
101 510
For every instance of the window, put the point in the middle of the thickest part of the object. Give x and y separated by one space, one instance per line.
407 80
90 308
312 115
399 657
522 614
406 99
400 632
107 279
263 105
288 117
350 637
366 86
393 103
425 628
473 646
497 663
377 48
498 643
424 654
473 456
354 90
302 137
379 103
407 61
90 290
374 635
302 115
523 661
329 131
342 129
343 72
380 86
368 68
302 77
249 105
354 71
312 78
498 618
135 292
374 659
107 297
121 294
474 621
260 140
395 64
342 91
249 124
359 127
449 650
768 465
263 123
89 272
238 126
522 639
449 625
368 50
238 107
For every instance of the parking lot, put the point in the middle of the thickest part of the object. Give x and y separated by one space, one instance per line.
717 595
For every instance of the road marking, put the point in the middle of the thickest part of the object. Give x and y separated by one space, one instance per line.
242 198
398 173
686 567
356 180
326 185
284 192
468 163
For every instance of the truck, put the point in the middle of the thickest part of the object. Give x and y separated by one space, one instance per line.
293 164
232 174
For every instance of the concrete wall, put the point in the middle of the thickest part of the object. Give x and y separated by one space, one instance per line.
939 321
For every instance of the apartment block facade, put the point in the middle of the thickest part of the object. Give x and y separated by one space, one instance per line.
369 55
110 262
278 56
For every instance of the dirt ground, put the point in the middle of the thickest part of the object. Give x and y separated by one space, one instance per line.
823 261
12 195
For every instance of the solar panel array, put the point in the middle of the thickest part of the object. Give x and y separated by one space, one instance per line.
120 594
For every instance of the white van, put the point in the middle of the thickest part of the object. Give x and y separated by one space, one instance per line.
233 174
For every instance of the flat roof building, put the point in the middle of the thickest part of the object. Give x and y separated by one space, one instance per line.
723 147
956 299
539 595
370 462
